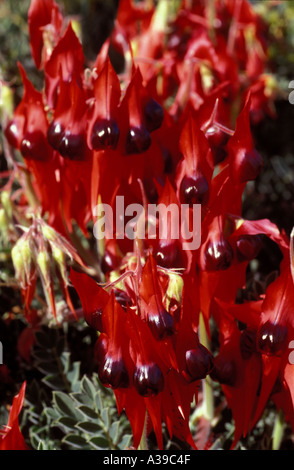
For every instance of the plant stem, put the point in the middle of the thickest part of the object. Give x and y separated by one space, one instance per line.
208 401
143 443
278 431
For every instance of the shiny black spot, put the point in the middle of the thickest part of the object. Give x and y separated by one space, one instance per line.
199 362
153 113
272 339
113 373
138 140
34 146
194 190
105 134
148 380
218 255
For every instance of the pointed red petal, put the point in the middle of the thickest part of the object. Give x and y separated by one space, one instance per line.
42 13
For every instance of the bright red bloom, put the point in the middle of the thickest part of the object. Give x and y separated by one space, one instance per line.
173 128
245 161
65 63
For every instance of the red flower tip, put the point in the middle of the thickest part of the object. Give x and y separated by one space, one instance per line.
246 162
42 14
66 61
103 130
93 298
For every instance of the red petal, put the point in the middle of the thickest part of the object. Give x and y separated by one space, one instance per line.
66 61
42 13
13 438
245 161
93 297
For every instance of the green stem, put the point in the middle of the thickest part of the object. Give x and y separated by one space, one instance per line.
208 400
143 443
278 431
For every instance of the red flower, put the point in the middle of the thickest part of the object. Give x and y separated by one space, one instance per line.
245 161
65 63
11 437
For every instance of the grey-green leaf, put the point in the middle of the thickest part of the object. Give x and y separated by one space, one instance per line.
66 405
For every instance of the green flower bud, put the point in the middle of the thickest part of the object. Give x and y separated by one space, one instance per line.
6 101
175 289
3 225
59 258
19 265
44 264
6 203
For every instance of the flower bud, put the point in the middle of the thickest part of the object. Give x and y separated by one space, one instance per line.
6 100
174 289
3 225
22 260
18 263
44 264
6 203
49 233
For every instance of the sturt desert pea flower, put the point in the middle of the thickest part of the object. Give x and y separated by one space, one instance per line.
195 170
103 129
11 437
149 379
148 352
245 162
27 132
66 61
261 346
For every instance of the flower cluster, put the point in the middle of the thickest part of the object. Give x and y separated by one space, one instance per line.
172 127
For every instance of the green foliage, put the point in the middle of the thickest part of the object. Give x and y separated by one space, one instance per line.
88 418
69 410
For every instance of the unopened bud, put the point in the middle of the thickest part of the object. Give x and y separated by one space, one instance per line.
175 289
3 225
6 100
18 263
59 258
49 233
6 203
